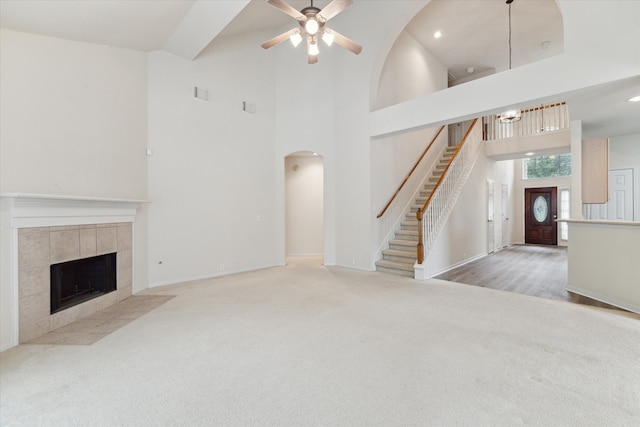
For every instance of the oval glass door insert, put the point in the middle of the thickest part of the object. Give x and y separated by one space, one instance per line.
540 209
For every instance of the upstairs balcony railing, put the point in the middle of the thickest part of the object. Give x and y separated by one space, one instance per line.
533 121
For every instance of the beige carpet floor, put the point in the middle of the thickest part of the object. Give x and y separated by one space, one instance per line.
306 345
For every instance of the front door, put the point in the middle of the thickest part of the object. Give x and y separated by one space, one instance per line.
540 213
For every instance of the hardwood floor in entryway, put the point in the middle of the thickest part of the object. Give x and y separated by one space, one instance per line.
535 270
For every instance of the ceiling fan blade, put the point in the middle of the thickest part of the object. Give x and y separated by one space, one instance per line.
287 9
332 9
345 42
313 59
279 39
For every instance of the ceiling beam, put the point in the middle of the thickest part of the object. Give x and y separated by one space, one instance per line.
204 21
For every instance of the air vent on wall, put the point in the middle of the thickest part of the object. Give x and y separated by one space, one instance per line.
200 93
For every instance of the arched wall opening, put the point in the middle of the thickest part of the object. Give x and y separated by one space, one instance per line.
304 204
476 39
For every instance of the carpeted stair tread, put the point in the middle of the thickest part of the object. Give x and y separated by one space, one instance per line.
411 235
394 267
402 243
410 224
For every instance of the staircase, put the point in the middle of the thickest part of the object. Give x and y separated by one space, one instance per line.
401 256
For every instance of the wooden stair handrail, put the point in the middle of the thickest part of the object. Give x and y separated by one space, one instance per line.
419 213
410 172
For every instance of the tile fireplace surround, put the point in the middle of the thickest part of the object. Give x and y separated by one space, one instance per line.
40 230
39 247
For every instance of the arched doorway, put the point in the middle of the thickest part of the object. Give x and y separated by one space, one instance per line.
304 205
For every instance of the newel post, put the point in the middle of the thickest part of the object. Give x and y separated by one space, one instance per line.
420 247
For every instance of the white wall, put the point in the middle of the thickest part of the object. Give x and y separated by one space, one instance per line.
73 118
624 151
73 121
212 173
409 71
464 236
603 262
304 205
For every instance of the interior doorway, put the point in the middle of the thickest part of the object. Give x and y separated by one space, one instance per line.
540 213
304 204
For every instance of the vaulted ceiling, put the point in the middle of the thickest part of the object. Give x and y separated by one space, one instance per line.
474 42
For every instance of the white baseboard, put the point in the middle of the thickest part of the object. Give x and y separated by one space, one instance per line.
207 277
451 267
305 255
607 300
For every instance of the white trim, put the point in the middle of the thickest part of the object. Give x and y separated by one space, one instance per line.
15 327
419 269
38 210
314 255
206 277
600 222
611 301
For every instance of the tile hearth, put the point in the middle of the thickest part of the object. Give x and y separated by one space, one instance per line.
94 327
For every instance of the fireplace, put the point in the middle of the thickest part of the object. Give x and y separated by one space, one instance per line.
74 282
43 230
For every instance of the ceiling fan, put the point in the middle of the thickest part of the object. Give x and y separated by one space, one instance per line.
311 23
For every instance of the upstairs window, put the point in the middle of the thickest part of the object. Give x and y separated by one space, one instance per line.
547 166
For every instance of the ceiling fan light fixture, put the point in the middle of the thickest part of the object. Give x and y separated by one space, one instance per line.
327 37
311 23
295 38
311 26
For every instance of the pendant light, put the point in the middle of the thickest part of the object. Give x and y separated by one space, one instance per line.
510 116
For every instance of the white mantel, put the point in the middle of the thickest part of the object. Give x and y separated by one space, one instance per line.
27 210
42 210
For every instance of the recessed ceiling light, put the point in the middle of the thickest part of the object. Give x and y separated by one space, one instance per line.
530 153
437 34
634 99
470 70
545 44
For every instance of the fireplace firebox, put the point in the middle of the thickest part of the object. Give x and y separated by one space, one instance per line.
77 281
